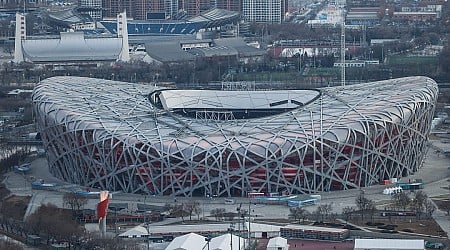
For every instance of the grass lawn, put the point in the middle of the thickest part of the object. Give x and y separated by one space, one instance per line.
335 71
414 60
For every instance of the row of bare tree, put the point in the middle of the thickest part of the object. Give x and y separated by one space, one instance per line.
419 203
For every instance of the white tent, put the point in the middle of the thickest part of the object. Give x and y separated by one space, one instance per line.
189 241
224 242
135 232
278 243
392 190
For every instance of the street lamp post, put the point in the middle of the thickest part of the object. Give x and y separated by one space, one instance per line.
239 227
148 236
146 223
230 230
208 239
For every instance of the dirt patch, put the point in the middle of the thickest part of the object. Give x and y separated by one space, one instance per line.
400 225
15 206
442 204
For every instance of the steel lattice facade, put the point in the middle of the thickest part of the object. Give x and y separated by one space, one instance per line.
107 134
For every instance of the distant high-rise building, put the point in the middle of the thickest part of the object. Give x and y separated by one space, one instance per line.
141 7
195 7
234 5
156 9
171 8
14 4
92 8
113 7
264 11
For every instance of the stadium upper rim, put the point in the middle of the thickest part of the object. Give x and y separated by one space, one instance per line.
123 109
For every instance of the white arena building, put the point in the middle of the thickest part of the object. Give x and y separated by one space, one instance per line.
140 138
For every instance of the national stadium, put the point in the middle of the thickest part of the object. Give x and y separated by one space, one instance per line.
140 138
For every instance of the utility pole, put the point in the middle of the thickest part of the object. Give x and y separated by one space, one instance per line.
239 226
146 223
231 235
343 45
249 222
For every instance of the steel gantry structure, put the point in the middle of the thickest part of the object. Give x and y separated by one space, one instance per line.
138 138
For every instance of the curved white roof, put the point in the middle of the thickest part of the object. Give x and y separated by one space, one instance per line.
190 241
277 242
212 99
72 46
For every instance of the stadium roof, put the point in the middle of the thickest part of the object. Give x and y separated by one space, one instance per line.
68 16
72 46
168 51
217 17
122 109
214 51
240 45
211 99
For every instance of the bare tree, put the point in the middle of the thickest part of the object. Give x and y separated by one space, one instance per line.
191 207
54 223
298 213
325 210
179 210
363 204
371 208
218 213
110 244
348 212
418 202
198 210
74 201
401 200
429 208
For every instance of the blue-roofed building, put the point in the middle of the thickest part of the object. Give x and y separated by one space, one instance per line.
210 19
